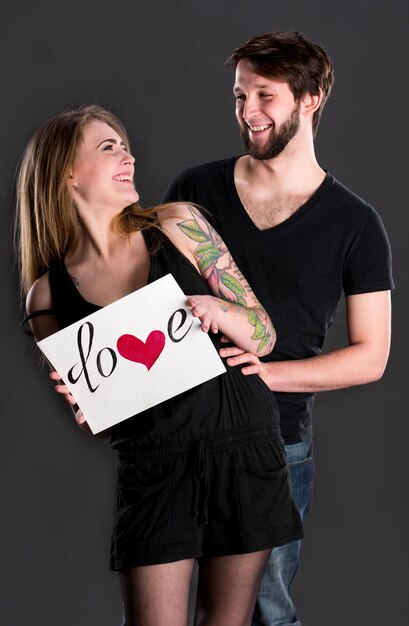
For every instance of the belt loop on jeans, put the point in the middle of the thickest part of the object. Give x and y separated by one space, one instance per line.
199 466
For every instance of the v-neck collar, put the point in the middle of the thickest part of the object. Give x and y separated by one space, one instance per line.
292 219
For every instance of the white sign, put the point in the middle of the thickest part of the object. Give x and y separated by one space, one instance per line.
135 353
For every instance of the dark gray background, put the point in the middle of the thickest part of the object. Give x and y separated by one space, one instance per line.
159 66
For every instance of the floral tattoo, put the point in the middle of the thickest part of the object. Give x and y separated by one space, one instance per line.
224 277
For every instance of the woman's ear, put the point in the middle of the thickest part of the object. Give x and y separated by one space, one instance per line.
71 180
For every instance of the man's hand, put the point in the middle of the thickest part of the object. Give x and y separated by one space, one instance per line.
236 356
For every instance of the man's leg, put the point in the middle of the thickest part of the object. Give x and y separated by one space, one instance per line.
275 606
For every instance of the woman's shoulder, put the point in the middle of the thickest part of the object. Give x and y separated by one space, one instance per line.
180 219
39 295
180 222
39 307
174 211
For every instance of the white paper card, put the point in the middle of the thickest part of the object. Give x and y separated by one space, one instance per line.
132 354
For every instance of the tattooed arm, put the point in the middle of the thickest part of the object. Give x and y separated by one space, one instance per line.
233 309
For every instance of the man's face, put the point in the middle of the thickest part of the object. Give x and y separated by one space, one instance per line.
266 111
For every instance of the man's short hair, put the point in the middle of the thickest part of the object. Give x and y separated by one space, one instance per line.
291 58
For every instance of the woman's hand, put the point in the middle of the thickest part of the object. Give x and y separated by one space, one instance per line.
78 414
63 389
207 309
236 356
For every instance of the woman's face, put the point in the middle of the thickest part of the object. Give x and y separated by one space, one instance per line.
103 171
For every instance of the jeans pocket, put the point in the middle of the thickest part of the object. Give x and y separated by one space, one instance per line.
302 480
296 464
264 497
143 513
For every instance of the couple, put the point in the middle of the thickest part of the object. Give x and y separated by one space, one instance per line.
219 489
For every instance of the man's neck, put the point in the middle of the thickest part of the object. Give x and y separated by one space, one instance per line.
295 171
272 190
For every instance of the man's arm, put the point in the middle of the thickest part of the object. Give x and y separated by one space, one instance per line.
363 361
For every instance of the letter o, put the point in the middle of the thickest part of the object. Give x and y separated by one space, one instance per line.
99 364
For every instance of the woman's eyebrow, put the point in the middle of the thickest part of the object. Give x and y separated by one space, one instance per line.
122 143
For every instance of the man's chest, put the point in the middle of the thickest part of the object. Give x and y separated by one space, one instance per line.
269 210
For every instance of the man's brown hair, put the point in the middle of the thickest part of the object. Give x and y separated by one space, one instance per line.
291 58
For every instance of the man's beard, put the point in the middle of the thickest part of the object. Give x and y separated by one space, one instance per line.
277 141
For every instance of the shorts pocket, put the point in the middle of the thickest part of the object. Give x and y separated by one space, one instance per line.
143 514
264 497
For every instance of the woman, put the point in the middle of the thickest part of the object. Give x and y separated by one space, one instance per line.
202 475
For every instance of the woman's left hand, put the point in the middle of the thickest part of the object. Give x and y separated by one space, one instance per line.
207 309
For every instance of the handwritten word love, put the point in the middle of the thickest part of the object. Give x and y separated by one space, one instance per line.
128 346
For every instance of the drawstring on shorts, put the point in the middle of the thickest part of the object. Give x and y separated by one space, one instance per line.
200 466
198 452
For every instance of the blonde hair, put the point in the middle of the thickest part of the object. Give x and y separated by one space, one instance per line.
46 221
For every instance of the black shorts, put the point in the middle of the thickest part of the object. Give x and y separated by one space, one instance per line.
228 493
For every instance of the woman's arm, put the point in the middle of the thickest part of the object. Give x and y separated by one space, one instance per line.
233 309
43 325
39 300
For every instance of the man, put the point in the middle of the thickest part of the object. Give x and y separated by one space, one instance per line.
300 238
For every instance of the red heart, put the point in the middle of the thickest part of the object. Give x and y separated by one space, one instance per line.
133 349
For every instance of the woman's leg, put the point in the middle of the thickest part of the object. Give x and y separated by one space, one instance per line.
227 589
155 595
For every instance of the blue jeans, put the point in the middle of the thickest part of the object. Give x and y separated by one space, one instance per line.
275 606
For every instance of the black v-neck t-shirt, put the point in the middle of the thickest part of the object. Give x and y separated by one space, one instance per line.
298 269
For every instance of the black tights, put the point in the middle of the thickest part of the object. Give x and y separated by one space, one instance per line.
158 595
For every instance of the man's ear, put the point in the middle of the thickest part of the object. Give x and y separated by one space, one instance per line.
311 102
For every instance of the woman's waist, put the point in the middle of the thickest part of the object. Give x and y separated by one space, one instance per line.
214 441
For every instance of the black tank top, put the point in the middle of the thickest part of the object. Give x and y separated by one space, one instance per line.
225 403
